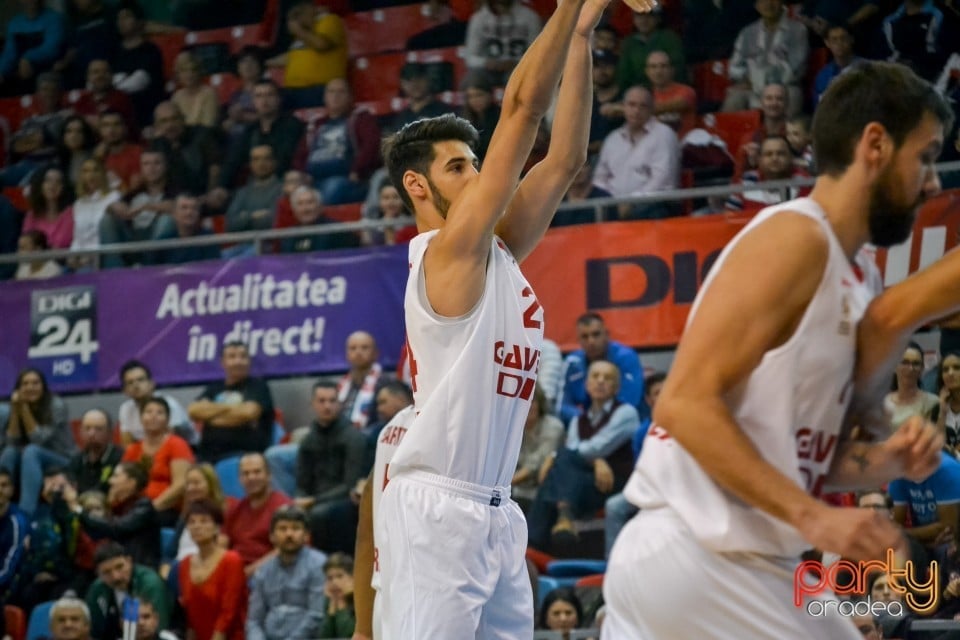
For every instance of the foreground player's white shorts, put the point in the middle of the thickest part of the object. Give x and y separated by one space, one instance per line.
661 584
452 562
377 621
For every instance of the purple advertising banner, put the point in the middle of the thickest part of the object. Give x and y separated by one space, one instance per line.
293 312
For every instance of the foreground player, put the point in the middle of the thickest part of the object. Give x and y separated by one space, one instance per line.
451 542
748 425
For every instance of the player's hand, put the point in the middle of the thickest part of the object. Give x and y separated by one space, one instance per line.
642 6
915 448
855 534
602 475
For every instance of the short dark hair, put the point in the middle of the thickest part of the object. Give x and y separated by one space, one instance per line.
588 317
130 365
287 513
397 388
134 8
777 137
339 560
160 402
837 26
324 384
654 378
136 471
882 92
250 51
108 551
235 343
412 148
269 82
204 507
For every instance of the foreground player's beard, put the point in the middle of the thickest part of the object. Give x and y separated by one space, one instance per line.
890 220
441 204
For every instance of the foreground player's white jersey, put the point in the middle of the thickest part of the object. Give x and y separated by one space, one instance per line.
472 376
387 443
791 407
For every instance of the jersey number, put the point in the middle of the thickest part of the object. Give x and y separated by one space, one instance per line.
529 322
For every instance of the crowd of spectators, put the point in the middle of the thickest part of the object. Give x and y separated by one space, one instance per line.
110 144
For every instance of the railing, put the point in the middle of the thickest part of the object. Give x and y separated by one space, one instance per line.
259 238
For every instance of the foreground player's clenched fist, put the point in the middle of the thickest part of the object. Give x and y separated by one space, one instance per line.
915 449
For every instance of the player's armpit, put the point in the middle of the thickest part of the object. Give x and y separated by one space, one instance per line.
768 288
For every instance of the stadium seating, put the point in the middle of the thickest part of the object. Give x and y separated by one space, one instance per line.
228 472
384 30
15 622
39 625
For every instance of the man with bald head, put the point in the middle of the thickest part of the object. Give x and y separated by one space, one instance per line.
307 206
93 465
192 153
594 464
345 147
357 390
641 157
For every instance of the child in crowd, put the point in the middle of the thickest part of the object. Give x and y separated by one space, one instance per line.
30 242
340 618
798 135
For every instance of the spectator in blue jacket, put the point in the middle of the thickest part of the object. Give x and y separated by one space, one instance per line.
595 344
933 506
13 530
33 43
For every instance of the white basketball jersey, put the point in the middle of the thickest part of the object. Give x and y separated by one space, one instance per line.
387 443
791 407
472 376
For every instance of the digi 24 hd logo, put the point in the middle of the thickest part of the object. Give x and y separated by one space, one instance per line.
63 333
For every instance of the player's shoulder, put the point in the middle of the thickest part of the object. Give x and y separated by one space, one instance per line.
798 224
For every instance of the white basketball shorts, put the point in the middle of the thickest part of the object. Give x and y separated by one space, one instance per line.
452 562
662 584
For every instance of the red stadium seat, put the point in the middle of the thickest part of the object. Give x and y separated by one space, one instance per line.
733 126
539 559
343 212
595 580
15 622
710 81
384 30
17 198
377 77
235 37
170 45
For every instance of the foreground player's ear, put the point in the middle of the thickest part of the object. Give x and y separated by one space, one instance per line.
415 184
876 144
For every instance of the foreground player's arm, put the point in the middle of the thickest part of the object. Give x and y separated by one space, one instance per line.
709 364
456 259
540 192
929 533
363 593
912 452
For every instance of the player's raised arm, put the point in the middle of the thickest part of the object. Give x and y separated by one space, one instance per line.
535 202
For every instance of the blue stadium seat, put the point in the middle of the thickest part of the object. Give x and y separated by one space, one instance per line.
39 625
575 568
228 471
168 544
546 584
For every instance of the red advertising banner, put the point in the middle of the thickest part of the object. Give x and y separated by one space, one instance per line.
643 276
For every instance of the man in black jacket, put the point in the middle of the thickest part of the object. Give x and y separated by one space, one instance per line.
330 461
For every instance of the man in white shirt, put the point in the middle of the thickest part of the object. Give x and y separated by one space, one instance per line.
138 386
641 157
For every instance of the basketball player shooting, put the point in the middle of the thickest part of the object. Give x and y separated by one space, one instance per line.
451 543
748 429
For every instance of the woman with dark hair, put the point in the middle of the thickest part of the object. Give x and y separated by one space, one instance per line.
76 144
166 456
561 611
390 206
213 587
37 435
906 398
50 211
947 412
